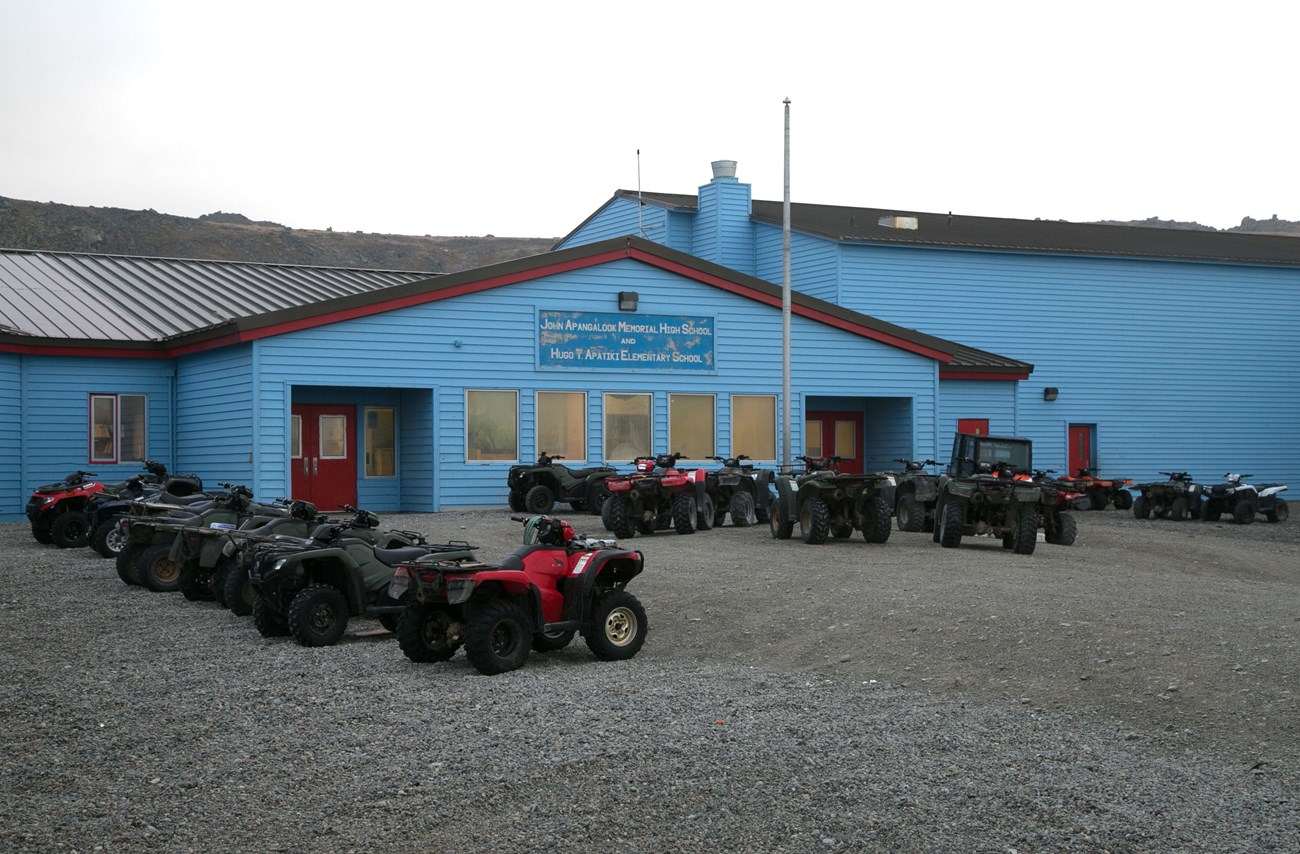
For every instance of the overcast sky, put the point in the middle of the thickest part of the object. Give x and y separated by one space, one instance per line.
521 118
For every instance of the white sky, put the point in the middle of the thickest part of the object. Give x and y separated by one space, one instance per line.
521 118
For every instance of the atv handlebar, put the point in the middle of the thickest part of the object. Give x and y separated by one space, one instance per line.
1177 475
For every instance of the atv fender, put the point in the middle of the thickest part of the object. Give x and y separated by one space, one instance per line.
611 567
332 566
762 486
787 500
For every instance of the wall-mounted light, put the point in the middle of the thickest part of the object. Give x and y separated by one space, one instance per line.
1051 393
627 300
458 343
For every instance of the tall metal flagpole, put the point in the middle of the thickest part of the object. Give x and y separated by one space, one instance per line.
785 302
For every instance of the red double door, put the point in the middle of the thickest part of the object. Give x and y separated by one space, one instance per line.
323 448
830 434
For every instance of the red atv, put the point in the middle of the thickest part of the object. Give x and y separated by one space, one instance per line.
60 512
555 585
657 495
1101 491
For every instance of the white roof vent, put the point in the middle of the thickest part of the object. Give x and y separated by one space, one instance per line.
908 223
724 168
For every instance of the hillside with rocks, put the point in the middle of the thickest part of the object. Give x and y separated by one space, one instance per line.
221 236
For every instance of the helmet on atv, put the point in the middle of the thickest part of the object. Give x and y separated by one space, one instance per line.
303 510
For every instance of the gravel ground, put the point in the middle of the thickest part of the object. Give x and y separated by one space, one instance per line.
1133 693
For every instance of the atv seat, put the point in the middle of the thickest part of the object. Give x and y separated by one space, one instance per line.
392 557
184 500
587 472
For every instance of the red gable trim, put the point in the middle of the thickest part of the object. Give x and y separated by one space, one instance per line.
974 375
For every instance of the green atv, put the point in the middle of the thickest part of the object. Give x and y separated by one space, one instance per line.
826 502
986 491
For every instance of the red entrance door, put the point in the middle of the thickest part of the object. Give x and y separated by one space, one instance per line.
323 455
830 434
974 426
1080 447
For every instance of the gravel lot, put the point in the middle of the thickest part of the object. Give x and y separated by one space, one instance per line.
1136 692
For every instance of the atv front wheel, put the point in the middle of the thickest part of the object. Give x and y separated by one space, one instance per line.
239 594
1067 529
814 521
126 564
1141 508
551 641
269 623
498 637
318 616
1123 499
196 584
70 530
684 512
422 632
875 521
539 501
108 538
516 501
782 529
615 514
1178 509
157 570
42 534
1243 512
948 531
1026 529
1211 512
1279 511
910 515
742 510
619 626
1097 499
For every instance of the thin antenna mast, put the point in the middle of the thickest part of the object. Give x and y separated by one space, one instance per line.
785 302
639 230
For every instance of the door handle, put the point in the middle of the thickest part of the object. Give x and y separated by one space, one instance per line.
314 462
304 465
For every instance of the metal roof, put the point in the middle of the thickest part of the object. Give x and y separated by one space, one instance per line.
117 298
957 231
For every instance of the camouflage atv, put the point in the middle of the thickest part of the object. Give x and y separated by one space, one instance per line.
981 494
826 502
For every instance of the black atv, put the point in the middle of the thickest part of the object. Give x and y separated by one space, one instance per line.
536 488
147 558
311 590
1059 497
230 581
915 495
1242 500
740 490
986 491
107 509
1178 498
826 502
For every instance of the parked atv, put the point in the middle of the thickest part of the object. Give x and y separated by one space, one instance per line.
230 580
1242 500
1101 491
536 488
915 495
980 494
147 559
740 490
1177 498
536 598
106 509
204 553
57 511
827 502
1058 498
658 495
311 592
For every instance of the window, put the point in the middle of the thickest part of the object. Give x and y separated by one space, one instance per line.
562 424
117 428
491 425
627 426
295 436
812 438
846 439
753 426
381 443
691 428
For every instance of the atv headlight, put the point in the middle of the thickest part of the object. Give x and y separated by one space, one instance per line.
279 564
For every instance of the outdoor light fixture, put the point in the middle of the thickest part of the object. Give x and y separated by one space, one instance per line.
1051 393
627 300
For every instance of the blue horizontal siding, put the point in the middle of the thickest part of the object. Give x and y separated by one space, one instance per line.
215 416
12 457
620 219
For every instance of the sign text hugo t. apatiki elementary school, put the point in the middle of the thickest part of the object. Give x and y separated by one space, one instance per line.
583 339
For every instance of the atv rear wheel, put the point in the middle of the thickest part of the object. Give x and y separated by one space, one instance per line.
619 626
1211 512
951 524
157 570
70 530
498 637
218 580
875 520
196 584
239 594
910 515
1178 509
108 538
596 497
422 632
1243 512
1141 508
1097 499
126 564
516 500
551 641
782 529
684 513
1067 528
1026 529
1279 511
1122 499
814 521
615 515
269 623
539 501
742 510
318 616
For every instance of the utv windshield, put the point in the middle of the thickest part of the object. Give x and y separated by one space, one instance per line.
994 451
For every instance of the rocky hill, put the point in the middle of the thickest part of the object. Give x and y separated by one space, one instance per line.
1248 225
234 237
